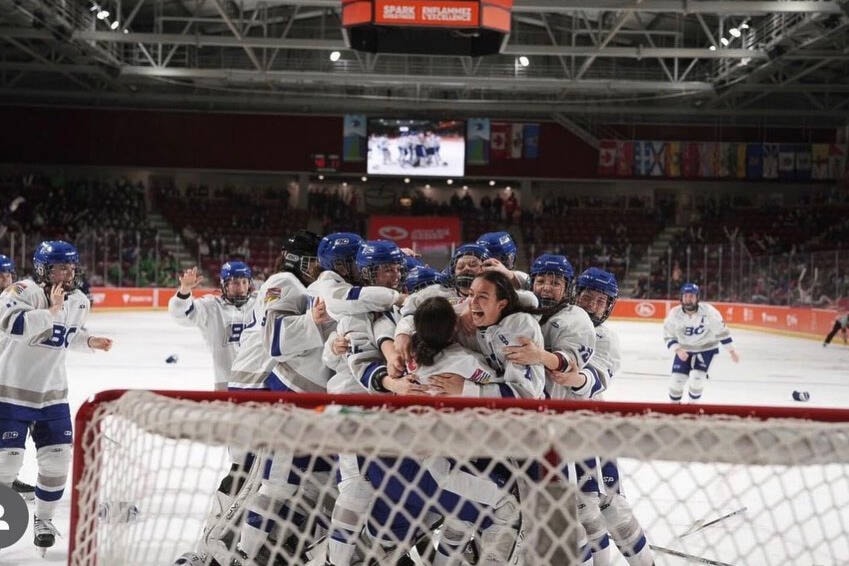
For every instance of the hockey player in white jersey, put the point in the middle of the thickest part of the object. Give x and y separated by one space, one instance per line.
567 330
41 318
221 320
500 322
502 256
693 331
251 370
606 510
361 369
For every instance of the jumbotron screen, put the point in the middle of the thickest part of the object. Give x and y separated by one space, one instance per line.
416 148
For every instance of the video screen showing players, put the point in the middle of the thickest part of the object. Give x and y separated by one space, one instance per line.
422 148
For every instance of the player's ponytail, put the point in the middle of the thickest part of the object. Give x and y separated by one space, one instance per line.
435 322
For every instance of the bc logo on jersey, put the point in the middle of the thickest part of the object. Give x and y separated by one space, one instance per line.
61 336
694 330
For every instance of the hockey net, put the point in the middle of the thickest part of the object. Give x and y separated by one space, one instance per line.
459 481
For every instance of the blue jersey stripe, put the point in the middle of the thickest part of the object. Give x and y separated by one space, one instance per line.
18 325
354 293
275 340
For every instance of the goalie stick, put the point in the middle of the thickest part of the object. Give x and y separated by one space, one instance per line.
688 557
699 525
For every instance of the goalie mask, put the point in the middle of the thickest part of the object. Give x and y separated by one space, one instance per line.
380 262
53 255
236 285
551 279
300 255
466 264
337 252
597 291
501 246
690 297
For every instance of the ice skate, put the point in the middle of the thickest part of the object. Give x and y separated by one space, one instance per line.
25 490
44 534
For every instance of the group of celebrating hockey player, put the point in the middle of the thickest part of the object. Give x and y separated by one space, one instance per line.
345 315
411 149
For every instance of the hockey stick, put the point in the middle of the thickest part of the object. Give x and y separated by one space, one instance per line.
689 557
699 525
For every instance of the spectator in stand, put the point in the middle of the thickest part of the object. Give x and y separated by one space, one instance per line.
497 204
511 206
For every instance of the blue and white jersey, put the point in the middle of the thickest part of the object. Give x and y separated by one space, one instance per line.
462 361
599 371
700 331
253 362
33 379
365 333
512 380
342 298
292 338
220 323
570 333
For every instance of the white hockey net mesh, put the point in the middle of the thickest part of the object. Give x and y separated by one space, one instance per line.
461 486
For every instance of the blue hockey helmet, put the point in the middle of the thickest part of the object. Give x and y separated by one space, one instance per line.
501 246
374 253
338 251
55 252
690 288
423 276
553 264
596 279
464 280
235 269
7 264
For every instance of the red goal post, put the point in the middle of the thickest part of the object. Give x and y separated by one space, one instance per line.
719 484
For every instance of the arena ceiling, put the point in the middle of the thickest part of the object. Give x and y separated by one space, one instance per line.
590 62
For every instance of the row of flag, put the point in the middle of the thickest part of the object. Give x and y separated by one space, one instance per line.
488 141
725 160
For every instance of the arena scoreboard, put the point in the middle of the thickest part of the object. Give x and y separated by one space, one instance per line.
427 27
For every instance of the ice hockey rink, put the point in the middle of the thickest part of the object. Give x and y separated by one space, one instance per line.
771 368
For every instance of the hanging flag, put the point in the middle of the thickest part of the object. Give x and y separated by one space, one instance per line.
690 160
642 158
499 140
531 137
657 158
770 160
624 159
836 160
740 172
517 140
786 161
754 161
354 138
673 159
819 161
803 162
707 159
724 164
607 158
477 141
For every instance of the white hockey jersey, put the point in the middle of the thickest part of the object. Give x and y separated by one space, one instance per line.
221 324
599 371
700 331
365 333
513 380
292 338
571 333
342 298
33 379
462 361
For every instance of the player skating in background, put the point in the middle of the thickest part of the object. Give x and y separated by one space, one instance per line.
841 324
41 318
221 320
693 331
